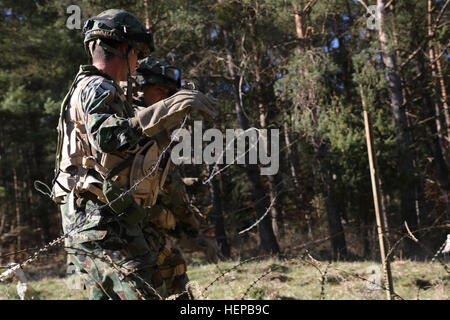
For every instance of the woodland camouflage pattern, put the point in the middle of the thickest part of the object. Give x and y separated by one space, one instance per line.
114 257
173 204
107 113
174 198
120 26
149 72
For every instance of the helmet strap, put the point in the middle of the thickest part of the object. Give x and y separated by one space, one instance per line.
129 80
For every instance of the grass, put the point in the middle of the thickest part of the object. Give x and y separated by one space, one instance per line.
290 279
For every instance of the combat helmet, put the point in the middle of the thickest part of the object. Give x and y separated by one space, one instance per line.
153 71
120 26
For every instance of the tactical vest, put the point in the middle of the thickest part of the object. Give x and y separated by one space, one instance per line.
75 155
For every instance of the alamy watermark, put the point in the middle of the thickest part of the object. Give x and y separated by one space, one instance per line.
216 153
374 21
74 20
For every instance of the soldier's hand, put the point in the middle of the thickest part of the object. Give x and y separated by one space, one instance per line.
166 113
200 102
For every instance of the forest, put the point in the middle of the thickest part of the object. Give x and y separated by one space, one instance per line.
309 68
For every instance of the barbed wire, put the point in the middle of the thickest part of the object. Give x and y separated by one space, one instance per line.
231 143
261 218
79 225
300 257
412 237
355 275
305 257
439 250
270 270
12 253
313 261
90 213
202 293
76 227
107 259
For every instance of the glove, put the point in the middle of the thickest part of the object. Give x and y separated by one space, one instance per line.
166 113
124 207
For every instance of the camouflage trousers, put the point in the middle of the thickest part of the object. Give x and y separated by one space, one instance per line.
119 261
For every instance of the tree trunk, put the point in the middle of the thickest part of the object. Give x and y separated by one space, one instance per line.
17 207
408 211
440 102
441 166
335 229
301 31
338 243
363 224
277 224
147 15
300 23
268 240
42 220
444 100
216 214
291 155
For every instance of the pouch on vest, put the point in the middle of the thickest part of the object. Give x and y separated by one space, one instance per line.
72 141
123 205
144 177
112 160
161 217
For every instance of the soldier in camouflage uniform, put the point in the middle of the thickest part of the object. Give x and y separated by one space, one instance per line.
173 213
107 173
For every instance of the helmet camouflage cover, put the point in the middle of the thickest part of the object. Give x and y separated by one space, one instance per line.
120 26
157 72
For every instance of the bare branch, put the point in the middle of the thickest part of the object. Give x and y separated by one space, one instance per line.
441 13
309 6
389 4
441 53
415 52
410 233
364 4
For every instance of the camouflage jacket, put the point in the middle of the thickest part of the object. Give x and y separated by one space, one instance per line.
107 114
104 114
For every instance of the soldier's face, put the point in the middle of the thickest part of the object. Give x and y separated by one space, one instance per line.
132 61
153 94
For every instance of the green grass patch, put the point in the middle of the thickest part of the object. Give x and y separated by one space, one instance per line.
290 279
